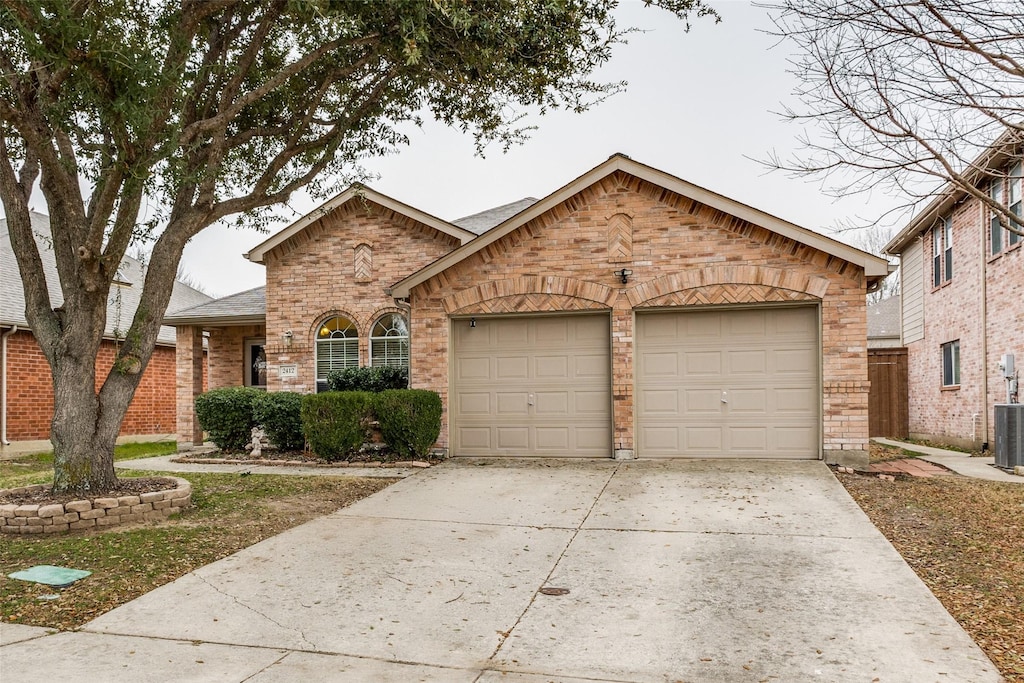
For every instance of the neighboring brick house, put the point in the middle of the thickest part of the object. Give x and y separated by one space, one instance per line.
26 392
629 313
962 279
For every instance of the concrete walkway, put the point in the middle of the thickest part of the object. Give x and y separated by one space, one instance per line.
534 571
961 463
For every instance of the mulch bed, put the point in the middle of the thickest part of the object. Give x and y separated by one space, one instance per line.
125 487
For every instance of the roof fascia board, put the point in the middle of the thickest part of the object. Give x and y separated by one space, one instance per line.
257 253
874 266
216 321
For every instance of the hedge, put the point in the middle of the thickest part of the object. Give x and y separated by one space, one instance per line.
410 420
227 416
335 422
375 379
279 413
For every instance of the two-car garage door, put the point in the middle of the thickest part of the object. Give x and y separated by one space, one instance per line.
709 383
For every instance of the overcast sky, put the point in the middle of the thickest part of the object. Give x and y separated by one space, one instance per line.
700 105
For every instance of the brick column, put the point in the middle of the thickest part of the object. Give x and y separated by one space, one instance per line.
189 375
622 380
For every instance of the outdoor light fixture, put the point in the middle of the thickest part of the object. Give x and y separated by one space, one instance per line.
287 338
472 322
624 274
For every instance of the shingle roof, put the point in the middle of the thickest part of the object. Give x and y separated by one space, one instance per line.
249 306
485 220
124 299
884 318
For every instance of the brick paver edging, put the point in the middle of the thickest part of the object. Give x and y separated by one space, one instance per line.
96 512
297 463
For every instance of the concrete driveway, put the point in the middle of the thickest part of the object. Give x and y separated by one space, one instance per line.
674 571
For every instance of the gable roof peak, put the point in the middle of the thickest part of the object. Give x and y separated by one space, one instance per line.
356 190
875 268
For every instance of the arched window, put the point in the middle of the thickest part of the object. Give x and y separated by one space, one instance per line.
337 346
389 341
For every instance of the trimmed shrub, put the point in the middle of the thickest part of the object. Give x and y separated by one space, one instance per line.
375 379
410 420
227 416
280 415
335 422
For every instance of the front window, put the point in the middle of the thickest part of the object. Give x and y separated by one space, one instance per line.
389 341
337 347
951 364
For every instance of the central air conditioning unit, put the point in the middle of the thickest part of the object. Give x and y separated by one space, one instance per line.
1009 435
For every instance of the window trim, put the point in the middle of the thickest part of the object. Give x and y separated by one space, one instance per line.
950 364
403 359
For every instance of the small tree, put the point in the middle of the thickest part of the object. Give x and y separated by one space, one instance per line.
205 110
895 94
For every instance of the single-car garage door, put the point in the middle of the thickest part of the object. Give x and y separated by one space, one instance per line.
531 386
738 383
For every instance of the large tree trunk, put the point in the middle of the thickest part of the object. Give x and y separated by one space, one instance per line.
83 430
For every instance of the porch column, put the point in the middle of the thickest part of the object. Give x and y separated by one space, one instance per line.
189 375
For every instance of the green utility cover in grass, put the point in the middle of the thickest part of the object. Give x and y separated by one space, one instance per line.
50 575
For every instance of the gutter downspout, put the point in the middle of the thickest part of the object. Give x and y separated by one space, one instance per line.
984 335
3 385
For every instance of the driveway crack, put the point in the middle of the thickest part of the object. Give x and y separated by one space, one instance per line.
311 644
575 532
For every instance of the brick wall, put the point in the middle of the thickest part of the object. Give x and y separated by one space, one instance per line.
227 354
30 391
953 312
340 265
682 253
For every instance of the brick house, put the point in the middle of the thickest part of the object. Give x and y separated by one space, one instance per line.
962 306
627 314
26 389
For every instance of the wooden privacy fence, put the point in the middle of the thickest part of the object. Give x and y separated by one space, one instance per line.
888 413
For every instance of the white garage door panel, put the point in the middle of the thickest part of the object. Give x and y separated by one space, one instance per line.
728 383
532 386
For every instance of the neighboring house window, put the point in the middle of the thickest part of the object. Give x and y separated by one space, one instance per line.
255 363
942 252
951 364
337 346
995 226
947 239
389 341
1012 195
1014 201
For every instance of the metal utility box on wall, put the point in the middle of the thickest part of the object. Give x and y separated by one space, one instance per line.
1009 435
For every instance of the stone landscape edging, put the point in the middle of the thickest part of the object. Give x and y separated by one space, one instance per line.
297 463
90 513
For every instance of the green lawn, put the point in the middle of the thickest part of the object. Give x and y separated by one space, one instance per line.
38 468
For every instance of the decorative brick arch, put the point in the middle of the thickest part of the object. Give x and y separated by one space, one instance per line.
728 284
541 292
321 318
